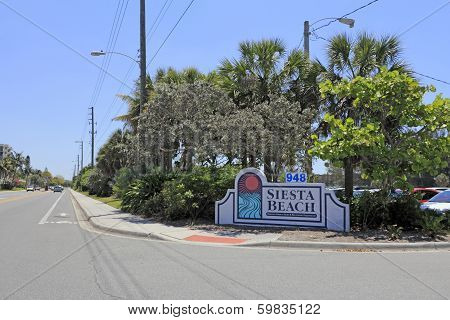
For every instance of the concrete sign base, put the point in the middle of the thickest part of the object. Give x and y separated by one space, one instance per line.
254 201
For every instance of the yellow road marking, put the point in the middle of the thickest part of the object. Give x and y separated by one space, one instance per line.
21 197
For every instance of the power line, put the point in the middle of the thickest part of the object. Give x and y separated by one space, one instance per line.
151 34
429 77
424 18
153 28
112 45
111 33
171 31
60 41
345 15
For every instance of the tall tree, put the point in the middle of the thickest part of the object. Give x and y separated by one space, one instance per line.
349 58
265 71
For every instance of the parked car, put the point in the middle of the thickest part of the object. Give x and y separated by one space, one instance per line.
30 188
57 189
439 203
425 194
440 188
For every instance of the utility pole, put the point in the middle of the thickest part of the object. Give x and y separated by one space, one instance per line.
82 151
78 163
74 170
143 81
306 38
92 132
142 58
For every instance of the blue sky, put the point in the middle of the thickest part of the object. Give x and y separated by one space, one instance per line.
45 89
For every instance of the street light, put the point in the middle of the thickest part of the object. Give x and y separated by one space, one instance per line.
142 66
104 53
347 21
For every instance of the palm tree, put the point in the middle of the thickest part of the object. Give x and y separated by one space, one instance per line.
349 58
263 69
256 74
131 118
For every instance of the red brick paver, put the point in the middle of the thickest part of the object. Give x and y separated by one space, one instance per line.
211 239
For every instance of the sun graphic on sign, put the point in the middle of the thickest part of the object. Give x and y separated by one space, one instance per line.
249 196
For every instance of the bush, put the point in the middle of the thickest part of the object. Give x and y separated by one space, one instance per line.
432 224
7 186
193 195
179 195
138 197
369 211
404 211
123 179
375 210
99 184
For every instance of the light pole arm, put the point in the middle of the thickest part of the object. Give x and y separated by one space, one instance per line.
102 53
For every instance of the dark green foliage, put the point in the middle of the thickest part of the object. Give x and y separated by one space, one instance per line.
433 224
404 211
138 198
174 196
194 193
394 232
375 210
99 184
124 177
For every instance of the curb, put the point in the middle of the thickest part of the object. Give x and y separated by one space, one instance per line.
277 243
349 246
97 225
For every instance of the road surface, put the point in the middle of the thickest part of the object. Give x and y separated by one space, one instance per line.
47 253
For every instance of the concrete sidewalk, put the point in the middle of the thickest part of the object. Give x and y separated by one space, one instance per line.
107 218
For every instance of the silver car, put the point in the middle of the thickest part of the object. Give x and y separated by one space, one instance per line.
439 203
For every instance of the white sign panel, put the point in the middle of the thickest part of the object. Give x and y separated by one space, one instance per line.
254 201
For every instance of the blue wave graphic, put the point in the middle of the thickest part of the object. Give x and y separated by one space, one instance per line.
249 205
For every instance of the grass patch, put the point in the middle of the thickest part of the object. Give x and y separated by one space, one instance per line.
111 201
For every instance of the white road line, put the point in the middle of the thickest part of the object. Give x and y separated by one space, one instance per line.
44 218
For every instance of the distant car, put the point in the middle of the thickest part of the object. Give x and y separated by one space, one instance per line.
439 203
57 189
37 188
425 194
339 192
358 192
30 188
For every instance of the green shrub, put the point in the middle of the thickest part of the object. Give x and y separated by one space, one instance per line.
433 224
99 184
179 195
404 211
122 181
369 211
194 193
138 196
394 232
375 210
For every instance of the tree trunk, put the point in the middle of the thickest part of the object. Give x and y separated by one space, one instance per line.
348 178
268 167
308 163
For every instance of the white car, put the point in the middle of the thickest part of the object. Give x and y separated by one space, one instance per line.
439 203
30 188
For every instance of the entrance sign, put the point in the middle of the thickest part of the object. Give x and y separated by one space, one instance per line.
254 201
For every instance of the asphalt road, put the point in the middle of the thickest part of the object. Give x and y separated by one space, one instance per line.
46 253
